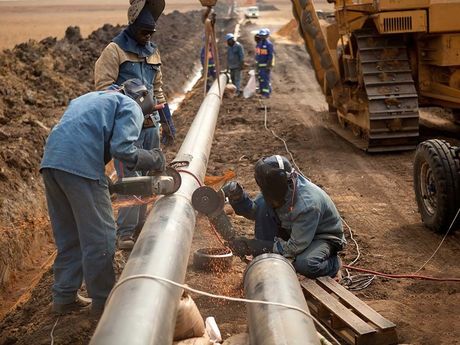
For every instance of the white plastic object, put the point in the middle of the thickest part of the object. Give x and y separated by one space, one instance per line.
213 330
250 88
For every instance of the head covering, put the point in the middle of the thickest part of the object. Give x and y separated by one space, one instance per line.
145 20
135 89
229 36
156 7
272 175
263 33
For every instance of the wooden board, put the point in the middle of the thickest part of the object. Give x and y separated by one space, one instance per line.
346 315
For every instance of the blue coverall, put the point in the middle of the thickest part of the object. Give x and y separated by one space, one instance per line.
264 61
212 74
235 61
129 217
95 127
311 221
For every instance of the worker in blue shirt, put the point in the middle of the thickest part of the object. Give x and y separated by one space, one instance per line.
212 74
95 127
293 217
131 54
235 60
264 62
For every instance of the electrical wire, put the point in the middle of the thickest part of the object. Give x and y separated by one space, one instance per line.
441 243
52 331
227 298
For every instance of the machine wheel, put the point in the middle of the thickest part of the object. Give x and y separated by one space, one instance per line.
437 184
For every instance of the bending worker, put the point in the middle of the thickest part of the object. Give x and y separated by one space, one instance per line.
131 54
264 62
235 60
293 217
95 127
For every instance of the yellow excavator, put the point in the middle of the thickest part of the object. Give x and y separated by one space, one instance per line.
378 60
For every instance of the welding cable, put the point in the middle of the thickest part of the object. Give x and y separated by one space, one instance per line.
402 276
191 174
441 243
226 298
52 331
284 142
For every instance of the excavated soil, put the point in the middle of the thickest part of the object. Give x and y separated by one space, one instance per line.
374 194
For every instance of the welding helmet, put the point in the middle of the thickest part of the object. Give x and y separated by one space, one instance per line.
135 89
273 175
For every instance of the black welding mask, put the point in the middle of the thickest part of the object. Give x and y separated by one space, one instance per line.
273 175
135 89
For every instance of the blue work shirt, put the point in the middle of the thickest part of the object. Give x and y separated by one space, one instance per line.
235 56
264 53
308 216
94 128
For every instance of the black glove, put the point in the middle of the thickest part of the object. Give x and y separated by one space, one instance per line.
168 130
233 191
242 246
150 160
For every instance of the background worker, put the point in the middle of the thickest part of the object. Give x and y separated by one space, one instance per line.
95 127
264 62
235 60
131 54
293 217
212 74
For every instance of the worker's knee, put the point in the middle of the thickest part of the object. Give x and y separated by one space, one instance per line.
310 267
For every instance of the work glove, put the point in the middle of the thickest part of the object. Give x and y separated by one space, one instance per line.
168 133
153 160
242 246
233 191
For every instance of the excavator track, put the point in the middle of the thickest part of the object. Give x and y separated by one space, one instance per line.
385 73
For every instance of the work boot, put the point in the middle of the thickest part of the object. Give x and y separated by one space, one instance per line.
125 242
94 311
66 308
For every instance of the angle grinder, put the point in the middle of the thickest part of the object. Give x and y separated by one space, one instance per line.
161 183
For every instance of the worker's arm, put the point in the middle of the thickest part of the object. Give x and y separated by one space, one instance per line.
107 67
241 55
245 206
270 56
127 127
302 233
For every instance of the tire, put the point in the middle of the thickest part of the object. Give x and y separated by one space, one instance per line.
437 184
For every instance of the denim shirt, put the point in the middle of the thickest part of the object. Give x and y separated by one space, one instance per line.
136 69
264 53
235 56
309 216
94 128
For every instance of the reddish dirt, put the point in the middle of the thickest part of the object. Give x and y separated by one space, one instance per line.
374 194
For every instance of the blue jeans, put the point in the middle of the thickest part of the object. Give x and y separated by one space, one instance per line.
235 76
129 217
318 260
84 232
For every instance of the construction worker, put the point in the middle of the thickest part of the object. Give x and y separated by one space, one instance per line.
293 217
131 54
235 60
264 62
212 74
95 127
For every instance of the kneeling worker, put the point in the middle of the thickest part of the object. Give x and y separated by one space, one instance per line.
293 217
95 127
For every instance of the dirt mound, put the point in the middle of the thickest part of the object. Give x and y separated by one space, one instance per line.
290 31
38 80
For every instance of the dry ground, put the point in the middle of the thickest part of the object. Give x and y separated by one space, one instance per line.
373 193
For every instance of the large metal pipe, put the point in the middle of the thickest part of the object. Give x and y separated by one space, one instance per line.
270 277
143 311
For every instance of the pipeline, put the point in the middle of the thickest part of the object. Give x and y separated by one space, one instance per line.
270 277
143 311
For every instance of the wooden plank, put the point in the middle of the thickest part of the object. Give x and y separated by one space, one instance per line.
352 301
336 308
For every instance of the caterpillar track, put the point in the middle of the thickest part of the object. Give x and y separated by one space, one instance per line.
384 72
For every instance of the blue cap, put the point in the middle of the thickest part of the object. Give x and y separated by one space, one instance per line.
263 32
229 36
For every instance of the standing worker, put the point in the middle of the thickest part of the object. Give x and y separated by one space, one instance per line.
293 217
264 62
131 54
95 127
235 60
212 74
